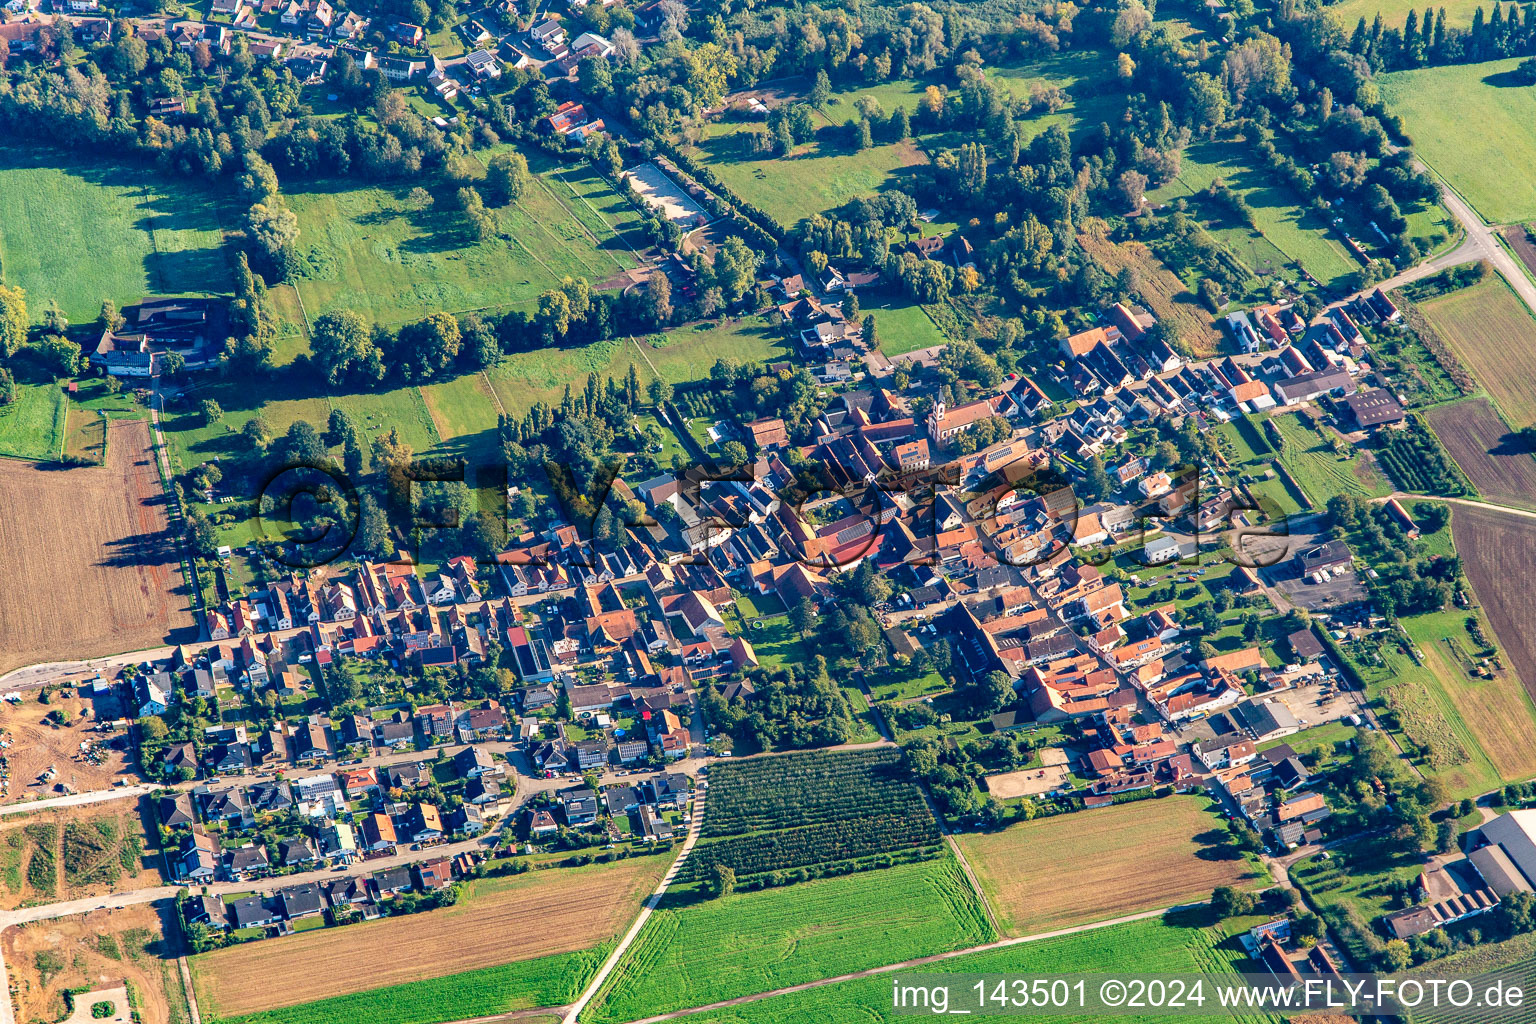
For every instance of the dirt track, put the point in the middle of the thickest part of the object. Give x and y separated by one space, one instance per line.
88 558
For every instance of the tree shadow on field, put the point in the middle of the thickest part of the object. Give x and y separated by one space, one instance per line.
1510 79
1199 915
1511 443
144 550
1216 844
187 270
676 898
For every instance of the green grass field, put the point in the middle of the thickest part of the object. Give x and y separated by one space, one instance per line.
32 427
1491 158
902 326
1322 740
746 943
1320 472
1475 734
546 981
777 643
817 176
1157 946
1458 13
81 231
1074 71
683 355
371 249
1291 229
828 172
894 684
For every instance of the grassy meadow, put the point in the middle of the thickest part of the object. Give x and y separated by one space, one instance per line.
1475 734
375 250
715 949
79 232
677 356
1458 13
819 175
1285 227
828 172
902 326
1491 158
32 427
1321 473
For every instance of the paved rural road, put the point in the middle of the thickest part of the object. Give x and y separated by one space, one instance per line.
919 962
1480 243
1485 241
695 827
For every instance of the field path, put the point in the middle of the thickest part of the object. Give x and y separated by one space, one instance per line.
186 983
1471 502
695 829
888 968
970 876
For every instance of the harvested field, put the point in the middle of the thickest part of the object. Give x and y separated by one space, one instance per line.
96 950
1162 290
37 745
1129 857
1498 551
496 921
1497 462
75 853
1492 333
98 539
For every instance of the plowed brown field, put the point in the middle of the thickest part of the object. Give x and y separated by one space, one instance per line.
496 921
1494 458
1498 551
88 558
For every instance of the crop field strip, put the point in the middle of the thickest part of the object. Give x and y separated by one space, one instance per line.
1493 334
496 921
1416 460
1498 550
1159 946
711 950
546 981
